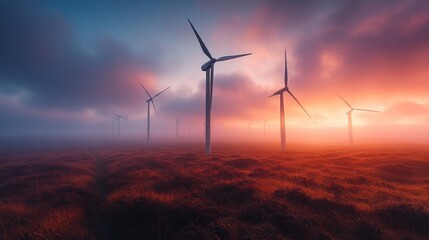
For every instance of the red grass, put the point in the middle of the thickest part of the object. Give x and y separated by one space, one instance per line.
245 191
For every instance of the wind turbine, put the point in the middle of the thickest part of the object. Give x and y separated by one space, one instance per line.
148 108
113 125
208 67
349 116
126 121
177 126
250 126
118 117
282 109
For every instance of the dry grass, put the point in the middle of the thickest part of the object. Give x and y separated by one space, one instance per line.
246 192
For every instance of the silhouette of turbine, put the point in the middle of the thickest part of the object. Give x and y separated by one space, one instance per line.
349 116
177 126
282 110
118 117
148 101
208 67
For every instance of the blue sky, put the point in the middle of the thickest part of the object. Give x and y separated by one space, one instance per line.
68 65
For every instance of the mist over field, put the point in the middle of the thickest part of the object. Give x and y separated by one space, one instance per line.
115 125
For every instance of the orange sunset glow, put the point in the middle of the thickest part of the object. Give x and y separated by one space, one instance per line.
226 119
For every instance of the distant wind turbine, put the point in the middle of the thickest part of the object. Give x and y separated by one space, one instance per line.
148 108
113 125
177 126
349 116
126 121
118 117
282 109
265 122
208 67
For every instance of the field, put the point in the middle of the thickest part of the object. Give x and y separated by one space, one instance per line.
242 191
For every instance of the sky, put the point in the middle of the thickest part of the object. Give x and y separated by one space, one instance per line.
66 66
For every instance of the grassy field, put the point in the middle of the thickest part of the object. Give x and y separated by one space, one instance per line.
240 192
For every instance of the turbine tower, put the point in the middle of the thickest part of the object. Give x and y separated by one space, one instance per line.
349 116
148 109
250 126
177 126
126 121
282 109
118 117
208 67
265 122
113 126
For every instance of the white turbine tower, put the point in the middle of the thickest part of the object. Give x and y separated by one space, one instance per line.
148 101
349 116
282 109
208 67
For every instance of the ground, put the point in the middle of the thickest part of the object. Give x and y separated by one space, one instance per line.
242 191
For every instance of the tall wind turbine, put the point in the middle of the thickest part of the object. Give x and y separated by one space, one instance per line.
349 116
282 109
148 108
208 67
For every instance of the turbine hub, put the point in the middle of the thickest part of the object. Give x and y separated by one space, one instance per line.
208 64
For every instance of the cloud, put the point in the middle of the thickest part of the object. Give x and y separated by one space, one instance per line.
235 96
41 56
407 112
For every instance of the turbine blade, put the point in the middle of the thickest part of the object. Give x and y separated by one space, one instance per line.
153 104
161 92
224 58
344 100
366 110
298 103
145 90
203 46
211 85
277 92
286 77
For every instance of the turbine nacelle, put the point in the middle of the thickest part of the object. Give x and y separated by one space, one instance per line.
208 64
285 89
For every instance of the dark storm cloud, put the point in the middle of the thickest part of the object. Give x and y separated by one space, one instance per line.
39 54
